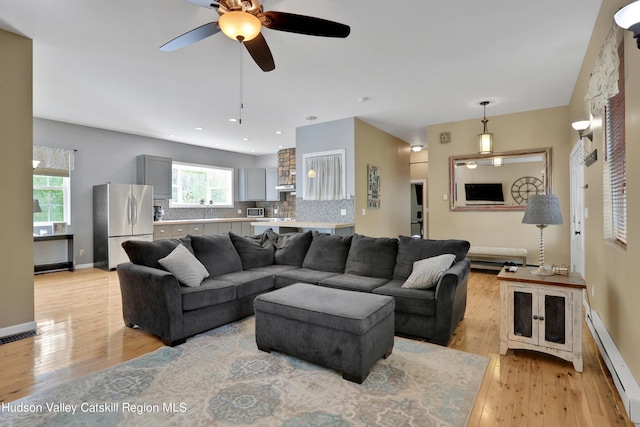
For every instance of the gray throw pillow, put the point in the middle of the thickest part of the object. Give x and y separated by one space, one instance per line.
255 251
148 253
412 249
372 256
185 266
291 248
327 252
427 272
216 253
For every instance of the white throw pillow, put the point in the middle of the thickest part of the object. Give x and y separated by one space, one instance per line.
427 272
185 266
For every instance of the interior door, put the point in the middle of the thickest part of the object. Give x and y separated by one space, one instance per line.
418 209
577 209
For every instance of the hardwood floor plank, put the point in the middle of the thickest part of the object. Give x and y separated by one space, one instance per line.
79 318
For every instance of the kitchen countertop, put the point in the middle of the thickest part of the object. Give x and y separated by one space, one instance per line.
302 224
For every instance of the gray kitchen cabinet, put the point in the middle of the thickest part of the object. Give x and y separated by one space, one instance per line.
252 185
270 182
156 171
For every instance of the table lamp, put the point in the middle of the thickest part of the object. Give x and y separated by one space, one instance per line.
542 210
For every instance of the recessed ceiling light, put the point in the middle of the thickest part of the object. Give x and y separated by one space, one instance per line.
233 120
280 146
311 118
245 139
198 128
278 132
172 136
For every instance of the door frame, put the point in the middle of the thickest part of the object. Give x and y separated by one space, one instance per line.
577 208
425 207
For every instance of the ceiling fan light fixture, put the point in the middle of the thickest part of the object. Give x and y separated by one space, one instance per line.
241 26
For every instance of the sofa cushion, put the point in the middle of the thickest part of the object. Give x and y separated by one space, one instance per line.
216 253
327 252
249 282
412 301
372 257
427 272
290 248
411 249
148 253
210 292
304 275
185 266
353 282
254 251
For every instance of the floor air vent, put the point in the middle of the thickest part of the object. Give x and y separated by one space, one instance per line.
18 337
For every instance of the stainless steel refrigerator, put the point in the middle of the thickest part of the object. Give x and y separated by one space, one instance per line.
121 212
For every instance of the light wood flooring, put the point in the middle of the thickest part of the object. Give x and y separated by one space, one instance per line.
81 331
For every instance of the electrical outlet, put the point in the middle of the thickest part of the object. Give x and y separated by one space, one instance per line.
81 252
240 211
275 211
343 212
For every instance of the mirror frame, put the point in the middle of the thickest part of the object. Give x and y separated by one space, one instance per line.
546 151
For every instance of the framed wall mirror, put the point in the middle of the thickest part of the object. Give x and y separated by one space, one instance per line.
498 181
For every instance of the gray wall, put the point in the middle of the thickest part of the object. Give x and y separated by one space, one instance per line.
107 156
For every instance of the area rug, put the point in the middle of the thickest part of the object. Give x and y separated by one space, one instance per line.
220 378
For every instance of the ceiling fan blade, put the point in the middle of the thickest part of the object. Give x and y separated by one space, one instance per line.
209 4
191 37
260 52
302 24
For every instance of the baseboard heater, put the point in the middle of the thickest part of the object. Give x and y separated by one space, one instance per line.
624 380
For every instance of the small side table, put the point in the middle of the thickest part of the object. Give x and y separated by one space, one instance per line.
68 265
542 313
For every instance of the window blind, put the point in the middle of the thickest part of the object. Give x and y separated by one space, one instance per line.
615 169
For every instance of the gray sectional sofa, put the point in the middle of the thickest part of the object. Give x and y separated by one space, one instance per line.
241 268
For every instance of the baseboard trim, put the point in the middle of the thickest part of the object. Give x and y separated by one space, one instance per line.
623 378
18 329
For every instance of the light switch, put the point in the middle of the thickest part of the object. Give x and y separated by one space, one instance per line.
343 211
445 197
364 211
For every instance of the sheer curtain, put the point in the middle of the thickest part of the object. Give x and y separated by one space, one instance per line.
328 181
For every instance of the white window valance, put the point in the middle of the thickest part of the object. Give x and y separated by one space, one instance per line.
603 83
54 161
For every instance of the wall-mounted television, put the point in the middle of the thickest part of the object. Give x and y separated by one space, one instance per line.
484 193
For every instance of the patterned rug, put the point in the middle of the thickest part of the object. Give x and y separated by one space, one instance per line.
220 378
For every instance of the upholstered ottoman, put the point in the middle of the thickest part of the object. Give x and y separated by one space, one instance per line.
343 330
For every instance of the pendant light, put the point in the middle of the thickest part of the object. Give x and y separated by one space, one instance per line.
485 139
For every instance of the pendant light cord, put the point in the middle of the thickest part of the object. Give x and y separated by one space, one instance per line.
241 85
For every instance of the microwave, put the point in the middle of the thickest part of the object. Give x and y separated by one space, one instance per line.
255 212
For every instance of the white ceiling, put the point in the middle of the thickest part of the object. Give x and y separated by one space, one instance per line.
416 63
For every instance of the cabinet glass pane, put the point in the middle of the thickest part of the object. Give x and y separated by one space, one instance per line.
554 319
523 314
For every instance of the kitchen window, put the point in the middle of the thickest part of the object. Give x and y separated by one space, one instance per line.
200 185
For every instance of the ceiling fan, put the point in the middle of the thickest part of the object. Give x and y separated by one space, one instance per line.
242 20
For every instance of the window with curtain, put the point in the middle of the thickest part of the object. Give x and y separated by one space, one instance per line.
615 168
324 175
52 184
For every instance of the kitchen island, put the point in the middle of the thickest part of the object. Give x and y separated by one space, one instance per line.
289 226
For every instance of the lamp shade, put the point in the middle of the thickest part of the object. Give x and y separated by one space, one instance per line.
238 25
36 206
543 209
485 143
628 16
